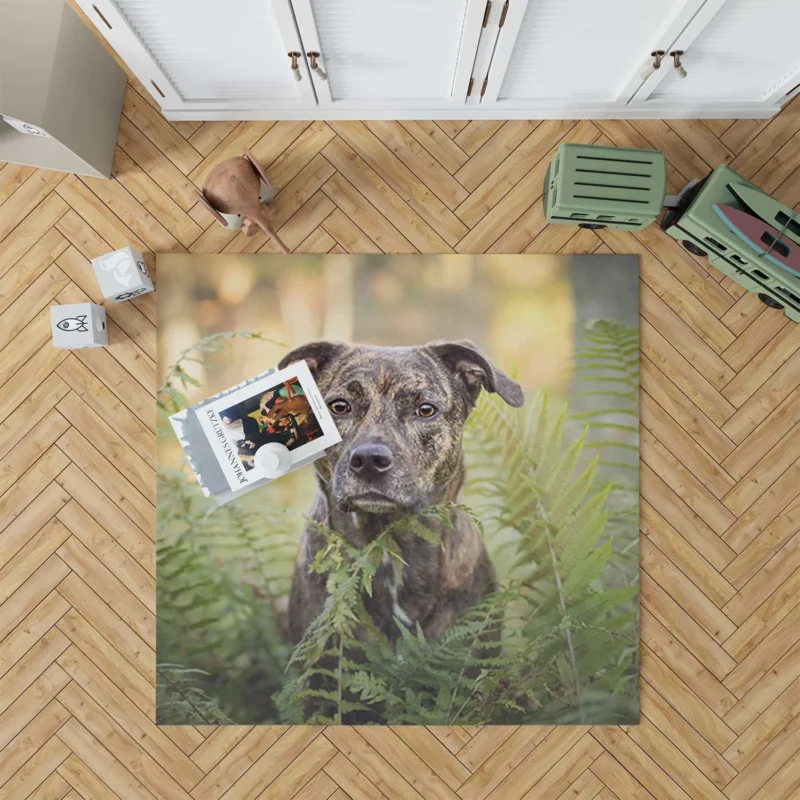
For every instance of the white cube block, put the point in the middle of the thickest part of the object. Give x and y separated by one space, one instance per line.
78 325
122 275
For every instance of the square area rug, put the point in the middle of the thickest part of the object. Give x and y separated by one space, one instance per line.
467 554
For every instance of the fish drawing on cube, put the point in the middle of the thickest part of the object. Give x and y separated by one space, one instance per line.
78 325
122 275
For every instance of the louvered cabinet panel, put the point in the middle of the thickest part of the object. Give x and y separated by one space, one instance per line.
746 52
579 50
207 52
389 52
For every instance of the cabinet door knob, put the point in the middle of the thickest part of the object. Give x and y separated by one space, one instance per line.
295 66
651 68
313 56
676 60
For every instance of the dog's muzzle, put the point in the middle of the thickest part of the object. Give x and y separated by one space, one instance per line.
369 479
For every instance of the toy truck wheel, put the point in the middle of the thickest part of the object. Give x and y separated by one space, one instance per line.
693 248
592 226
769 301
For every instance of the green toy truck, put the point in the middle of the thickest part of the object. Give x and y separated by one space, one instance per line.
703 233
597 187
605 187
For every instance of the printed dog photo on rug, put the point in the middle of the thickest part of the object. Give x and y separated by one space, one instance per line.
466 554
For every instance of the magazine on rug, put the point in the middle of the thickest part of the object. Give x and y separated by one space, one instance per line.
284 407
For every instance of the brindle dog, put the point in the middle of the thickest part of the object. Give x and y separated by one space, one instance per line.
401 412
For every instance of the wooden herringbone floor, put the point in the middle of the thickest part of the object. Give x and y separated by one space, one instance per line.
720 472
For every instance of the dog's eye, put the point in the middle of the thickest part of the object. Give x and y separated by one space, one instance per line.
426 410
339 406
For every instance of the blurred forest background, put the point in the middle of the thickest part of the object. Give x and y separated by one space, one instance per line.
554 486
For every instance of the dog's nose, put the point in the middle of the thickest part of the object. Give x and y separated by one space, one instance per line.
371 459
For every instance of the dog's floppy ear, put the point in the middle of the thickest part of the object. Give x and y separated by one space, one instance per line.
316 354
474 369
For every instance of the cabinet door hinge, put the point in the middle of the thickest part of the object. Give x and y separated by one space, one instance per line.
469 88
503 15
487 12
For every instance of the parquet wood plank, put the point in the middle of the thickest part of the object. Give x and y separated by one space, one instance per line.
54 787
169 142
35 297
693 690
91 757
31 629
282 168
236 762
770 686
31 666
428 224
516 192
565 771
685 593
94 537
502 179
643 768
622 784
683 446
130 717
683 519
688 631
31 720
493 152
108 478
437 143
36 770
120 743
151 160
106 407
778 569
688 379
33 227
684 737
113 591
30 267
514 750
79 775
683 556
153 198
347 776
36 550
376 227
376 769
300 771
25 480
85 601
12 176
764 400
426 168
720 511
111 518
26 198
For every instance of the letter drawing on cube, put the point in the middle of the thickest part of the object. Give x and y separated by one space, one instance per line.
78 325
122 275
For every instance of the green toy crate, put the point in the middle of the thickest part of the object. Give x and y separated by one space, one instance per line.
598 187
702 232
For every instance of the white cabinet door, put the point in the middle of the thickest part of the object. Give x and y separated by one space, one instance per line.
390 53
208 54
562 54
744 51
